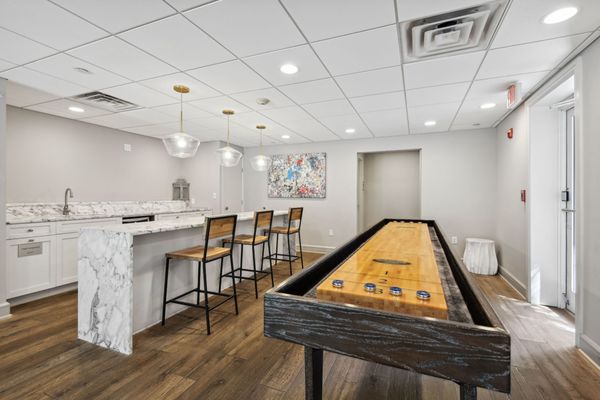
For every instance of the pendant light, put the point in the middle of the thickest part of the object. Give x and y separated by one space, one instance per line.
180 144
260 162
230 157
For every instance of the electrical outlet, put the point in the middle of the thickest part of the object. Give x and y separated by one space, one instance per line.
127 147
214 195
193 201
331 232
454 240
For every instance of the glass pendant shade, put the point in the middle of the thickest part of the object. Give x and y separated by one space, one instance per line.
230 157
181 145
260 163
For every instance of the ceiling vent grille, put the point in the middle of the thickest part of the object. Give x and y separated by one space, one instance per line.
105 102
453 32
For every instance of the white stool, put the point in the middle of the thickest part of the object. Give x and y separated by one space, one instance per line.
480 256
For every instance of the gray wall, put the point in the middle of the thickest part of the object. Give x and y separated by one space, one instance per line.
4 306
203 172
457 184
46 154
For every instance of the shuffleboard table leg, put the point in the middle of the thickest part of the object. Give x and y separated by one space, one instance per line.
313 373
468 392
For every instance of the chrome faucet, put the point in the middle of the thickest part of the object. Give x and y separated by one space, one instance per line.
66 210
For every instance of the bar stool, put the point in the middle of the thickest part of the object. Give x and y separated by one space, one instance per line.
215 227
294 214
262 219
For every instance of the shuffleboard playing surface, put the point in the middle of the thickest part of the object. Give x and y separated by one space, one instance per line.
401 255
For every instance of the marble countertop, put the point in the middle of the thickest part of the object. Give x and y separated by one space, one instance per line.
144 228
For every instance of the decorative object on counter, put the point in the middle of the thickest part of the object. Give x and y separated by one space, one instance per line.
480 256
181 190
230 157
180 144
297 176
260 162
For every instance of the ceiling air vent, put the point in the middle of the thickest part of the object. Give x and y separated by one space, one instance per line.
453 32
105 102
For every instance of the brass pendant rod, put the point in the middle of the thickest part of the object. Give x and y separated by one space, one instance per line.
181 112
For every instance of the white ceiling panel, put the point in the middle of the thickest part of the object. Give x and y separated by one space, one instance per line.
372 82
313 91
118 15
43 82
387 122
63 66
249 120
411 9
116 120
248 27
164 84
330 108
376 102
4 65
494 89
524 21
20 50
287 114
314 17
377 48
442 114
277 99
183 5
61 108
471 115
189 111
525 58
215 105
140 95
437 94
20 96
148 116
230 77
442 71
311 129
122 58
309 66
340 123
47 23
178 42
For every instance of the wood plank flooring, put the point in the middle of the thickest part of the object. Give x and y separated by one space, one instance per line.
41 357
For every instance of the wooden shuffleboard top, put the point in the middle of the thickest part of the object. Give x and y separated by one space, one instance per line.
400 255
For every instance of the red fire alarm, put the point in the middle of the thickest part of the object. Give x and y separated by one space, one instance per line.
524 196
510 133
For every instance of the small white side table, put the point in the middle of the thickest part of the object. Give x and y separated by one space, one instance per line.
480 256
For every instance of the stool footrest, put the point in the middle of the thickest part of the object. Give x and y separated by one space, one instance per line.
282 257
250 278
176 300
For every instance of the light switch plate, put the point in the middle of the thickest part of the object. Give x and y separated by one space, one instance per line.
127 147
454 240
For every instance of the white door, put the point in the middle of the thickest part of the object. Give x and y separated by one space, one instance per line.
232 189
568 198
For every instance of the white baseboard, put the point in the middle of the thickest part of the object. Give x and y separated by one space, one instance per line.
590 348
4 310
513 281
44 293
313 248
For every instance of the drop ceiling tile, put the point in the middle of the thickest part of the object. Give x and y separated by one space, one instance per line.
340 123
387 122
248 27
371 82
376 102
411 9
20 96
230 77
311 130
268 64
471 115
277 99
145 116
215 123
531 57
189 111
437 94
47 23
140 95
20 50
117 56
442 71
494 89
61 108
377 48
215 105
523 22
249 120
63 66
441 113
43 82
314 17
183 5
287 114
4 65
178 42
164 84
115 121
330 108
313 91
118 15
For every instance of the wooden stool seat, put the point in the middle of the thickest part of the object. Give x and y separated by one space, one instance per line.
284 230
247 239
197 253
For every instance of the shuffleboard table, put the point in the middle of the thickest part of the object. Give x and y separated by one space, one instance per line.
395 295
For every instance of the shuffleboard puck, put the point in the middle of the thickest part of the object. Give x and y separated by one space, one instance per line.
423 295
395 291
337 283
370 287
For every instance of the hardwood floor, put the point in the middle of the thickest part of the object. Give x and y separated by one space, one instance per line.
41 357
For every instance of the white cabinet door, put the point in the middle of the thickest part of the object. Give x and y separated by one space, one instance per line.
66 258
31 265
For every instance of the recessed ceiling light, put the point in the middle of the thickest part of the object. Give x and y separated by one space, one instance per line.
76 109
486 106
285 136
560 15
430 123
350 130
288 69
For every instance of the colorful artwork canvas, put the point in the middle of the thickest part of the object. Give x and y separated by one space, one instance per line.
298 175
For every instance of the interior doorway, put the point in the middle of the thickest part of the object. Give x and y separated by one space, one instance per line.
568 198
388 186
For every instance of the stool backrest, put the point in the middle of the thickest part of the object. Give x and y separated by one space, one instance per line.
262 219
295 214
217 227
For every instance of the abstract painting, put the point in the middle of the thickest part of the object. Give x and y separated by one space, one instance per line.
297 175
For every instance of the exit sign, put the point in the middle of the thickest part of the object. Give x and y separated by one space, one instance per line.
512 95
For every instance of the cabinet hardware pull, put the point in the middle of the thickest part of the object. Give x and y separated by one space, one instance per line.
31 240
30 230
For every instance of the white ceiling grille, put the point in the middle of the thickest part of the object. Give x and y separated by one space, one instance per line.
105 102
454 32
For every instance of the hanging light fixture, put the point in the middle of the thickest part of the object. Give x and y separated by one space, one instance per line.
180 144
260 162
230 157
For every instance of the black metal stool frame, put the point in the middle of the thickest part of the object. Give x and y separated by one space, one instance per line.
202 268
289 257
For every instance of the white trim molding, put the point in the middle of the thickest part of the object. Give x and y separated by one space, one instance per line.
590 348
5 310
513 281
314 248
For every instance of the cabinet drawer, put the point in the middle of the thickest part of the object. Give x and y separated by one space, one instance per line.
18 231
30 265
176 216
76 225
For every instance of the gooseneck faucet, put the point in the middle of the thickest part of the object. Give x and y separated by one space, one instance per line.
69 193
